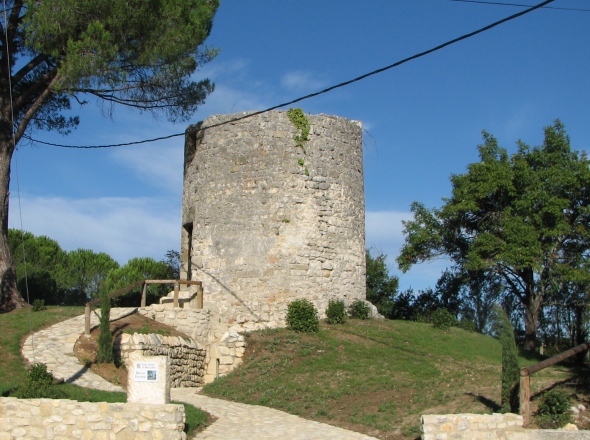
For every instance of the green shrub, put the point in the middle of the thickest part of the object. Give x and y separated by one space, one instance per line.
468 325
39 305
39 385
336 312
443 319
302 316
359 310
554 409
105 353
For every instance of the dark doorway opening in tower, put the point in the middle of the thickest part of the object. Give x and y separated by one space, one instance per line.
187 232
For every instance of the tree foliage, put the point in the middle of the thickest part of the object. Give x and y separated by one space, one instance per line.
520 220
87 271
47 272
137 54
381 287
135 270
44 271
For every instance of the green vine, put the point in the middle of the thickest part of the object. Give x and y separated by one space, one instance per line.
301 123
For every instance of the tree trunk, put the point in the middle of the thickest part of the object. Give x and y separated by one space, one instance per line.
10 298
532 307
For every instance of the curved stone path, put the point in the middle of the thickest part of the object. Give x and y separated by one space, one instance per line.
54 347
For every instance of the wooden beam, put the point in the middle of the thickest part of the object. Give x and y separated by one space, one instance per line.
527 371
190 282
199 296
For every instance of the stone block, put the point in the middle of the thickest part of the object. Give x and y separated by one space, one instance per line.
148 379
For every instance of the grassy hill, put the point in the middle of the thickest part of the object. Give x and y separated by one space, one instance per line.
375 376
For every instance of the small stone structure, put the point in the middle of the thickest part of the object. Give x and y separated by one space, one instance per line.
265 221
490 426
228 352
61 418
187 359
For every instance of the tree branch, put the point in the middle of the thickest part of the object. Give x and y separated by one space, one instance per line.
132 102
27 68
38 86
24 122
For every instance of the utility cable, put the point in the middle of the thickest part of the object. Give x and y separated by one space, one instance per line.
321 92
518 4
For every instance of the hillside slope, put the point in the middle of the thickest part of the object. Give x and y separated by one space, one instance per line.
375 376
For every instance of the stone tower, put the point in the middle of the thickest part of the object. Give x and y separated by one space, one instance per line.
265 221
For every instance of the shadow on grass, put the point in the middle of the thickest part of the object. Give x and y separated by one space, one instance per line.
491 404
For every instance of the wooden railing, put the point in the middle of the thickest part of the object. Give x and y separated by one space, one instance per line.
144 284
525 378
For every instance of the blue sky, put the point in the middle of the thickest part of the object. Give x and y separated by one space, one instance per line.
423 120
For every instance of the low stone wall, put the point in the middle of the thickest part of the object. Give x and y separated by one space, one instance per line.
53 419
491 426
469 426
196 323
187 359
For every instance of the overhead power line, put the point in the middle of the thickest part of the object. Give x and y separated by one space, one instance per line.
312 95
518 4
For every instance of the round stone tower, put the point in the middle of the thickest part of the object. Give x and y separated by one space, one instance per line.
267 221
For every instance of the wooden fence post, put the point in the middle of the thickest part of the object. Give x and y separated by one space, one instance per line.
525 397
176 289
143 295
199 296
87 320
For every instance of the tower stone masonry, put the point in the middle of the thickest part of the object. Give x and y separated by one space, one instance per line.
265 222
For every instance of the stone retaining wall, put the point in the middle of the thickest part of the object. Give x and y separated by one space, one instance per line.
491 426
187 359
196 323
66 419
469 426
223 352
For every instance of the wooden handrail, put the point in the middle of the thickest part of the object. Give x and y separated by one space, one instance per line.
144 284
525 378
118 292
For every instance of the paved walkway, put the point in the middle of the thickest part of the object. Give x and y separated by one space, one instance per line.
54 347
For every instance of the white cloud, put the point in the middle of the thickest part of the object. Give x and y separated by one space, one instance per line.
158 164
124 228
216 69
225 100
300 81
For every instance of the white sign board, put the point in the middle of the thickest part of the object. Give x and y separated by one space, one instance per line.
148 378
145 372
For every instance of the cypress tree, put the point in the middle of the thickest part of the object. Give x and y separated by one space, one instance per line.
510 366
105 338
